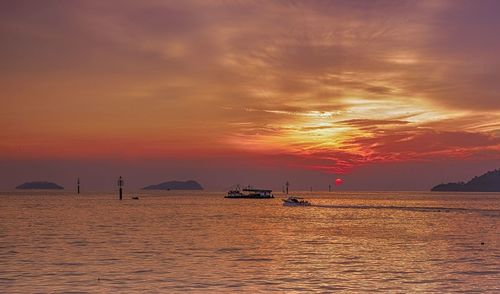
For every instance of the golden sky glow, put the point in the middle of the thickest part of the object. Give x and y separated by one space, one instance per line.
321 85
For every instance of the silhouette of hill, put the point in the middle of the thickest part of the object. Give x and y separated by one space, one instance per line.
40 185
175 185
488 182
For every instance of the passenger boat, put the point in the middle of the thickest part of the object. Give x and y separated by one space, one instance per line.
250 193
295 201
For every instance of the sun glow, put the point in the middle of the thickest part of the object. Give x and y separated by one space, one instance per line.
353 135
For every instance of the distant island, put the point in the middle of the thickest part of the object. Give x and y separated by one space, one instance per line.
175 185
40 185
489 182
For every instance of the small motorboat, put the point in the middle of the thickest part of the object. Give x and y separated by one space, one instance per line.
135 198
295 201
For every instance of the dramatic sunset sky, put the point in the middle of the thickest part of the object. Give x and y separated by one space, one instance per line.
384 94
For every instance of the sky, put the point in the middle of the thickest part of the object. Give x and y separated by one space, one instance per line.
387 95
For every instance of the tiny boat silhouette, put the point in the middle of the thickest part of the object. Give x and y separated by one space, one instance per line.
295 201
135 198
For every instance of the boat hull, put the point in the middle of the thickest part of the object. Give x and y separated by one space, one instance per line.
296 204
248 197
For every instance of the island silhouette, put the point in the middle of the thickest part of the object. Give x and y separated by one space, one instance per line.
175 185
488 182
40 185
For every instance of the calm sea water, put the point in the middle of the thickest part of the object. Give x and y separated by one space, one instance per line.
201 242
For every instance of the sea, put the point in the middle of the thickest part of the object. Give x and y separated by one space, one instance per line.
200 242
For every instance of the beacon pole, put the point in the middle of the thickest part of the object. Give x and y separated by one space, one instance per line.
120 185
78 186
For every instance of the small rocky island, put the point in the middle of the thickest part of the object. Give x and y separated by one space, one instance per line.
489 182
39 185
176 185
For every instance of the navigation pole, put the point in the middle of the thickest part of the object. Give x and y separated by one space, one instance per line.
120 185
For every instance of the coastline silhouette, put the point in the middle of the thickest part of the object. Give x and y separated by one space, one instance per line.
488 182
